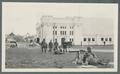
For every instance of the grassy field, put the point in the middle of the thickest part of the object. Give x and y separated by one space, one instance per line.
34 58
97 47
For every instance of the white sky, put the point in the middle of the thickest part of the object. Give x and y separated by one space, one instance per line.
21 18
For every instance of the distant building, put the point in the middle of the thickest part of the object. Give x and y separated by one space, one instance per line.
10 37
28 37
14 37
69 28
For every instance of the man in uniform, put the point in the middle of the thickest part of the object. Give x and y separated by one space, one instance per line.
90 57
55 45
44 46
50 46
65 46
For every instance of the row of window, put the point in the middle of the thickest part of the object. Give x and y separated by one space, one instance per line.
71 39
62 32
62 27
54 32
93 39
106 39
89 39
71 32
71 27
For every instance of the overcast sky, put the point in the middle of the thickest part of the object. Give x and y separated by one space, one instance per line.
21 18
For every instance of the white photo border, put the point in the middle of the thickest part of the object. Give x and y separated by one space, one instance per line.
115 69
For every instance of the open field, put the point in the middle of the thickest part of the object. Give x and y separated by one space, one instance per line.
34 58
96 47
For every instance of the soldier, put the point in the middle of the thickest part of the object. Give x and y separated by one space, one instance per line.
65 46
56 45
79 57
44 46
50 46
37 40
90 57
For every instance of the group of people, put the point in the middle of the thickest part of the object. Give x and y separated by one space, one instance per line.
52 46
87 58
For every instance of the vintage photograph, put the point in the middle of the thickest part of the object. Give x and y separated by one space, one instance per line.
59 37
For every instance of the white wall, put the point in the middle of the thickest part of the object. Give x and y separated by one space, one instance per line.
81 30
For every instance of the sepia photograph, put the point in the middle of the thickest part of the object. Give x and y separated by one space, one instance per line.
59 37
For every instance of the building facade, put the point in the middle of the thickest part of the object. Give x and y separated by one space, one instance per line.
97 39
69 28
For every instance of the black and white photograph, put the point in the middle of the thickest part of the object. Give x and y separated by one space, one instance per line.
59 37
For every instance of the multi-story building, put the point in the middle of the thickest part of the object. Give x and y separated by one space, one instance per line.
70 29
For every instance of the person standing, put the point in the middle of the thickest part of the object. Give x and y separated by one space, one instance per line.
56 45
50 46
44 46
65 46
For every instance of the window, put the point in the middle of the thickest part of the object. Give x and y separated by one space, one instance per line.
53 27
72 39
106 39
93 39
89 39
65 27
65 32
60 32
84 39
72 32
55 32
110 39
61 27
102 39
71 27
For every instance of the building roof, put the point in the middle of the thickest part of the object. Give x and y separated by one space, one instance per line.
60 20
